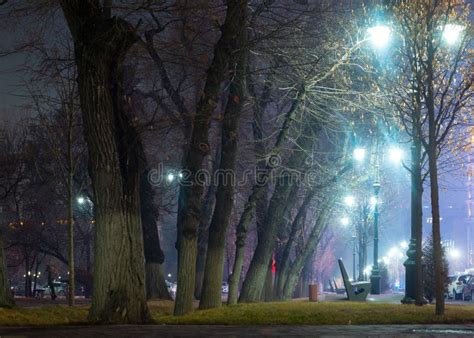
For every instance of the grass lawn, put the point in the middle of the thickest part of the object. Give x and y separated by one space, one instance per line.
283 313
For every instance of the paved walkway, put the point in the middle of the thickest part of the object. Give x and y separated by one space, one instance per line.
244 331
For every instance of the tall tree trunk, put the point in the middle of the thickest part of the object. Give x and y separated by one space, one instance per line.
207 209
154 257
101 43
434 187
213 271
6 297
191 194
258 192
70 216
417 219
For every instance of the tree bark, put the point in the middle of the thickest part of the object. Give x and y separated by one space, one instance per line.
311 244
284 263
434 188
417 217
70 201
207 209
154 256
6 297
191 192
257 194
101 43
255 278
213 271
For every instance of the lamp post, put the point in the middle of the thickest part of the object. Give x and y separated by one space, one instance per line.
354 257
375 275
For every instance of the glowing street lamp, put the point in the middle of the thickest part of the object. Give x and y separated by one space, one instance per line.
81 200
359 154
395 155
454 254
379 36
349 200
452 33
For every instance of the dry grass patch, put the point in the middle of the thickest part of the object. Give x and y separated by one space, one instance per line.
306 313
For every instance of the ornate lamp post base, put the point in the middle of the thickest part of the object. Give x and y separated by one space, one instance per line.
375 282
410 274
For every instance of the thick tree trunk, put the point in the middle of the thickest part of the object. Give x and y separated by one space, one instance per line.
154 257
213 272
207 209
156 287
191 194
6 297
101 44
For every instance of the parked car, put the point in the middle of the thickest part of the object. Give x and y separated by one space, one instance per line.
448 292
455 289
468 290
225 287
59 287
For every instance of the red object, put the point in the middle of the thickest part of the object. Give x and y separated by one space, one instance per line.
274 265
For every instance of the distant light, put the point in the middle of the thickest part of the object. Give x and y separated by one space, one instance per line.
349 200
170 177
367 269
394 252
452 33
454 253
359 154
396 155
385 259
379 36
345 221
169 275
180 175
81 200
404 245
373 200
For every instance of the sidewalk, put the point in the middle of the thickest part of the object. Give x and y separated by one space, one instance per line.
245 331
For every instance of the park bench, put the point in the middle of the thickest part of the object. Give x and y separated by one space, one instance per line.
356 291
335 288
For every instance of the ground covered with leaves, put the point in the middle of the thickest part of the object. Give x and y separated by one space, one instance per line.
282 313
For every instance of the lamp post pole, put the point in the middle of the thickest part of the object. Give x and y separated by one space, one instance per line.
375 276
354 257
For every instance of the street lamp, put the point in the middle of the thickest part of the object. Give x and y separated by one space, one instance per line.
452 33
359 154
349 200
379 36
454 254
81 200
345 221
395 155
